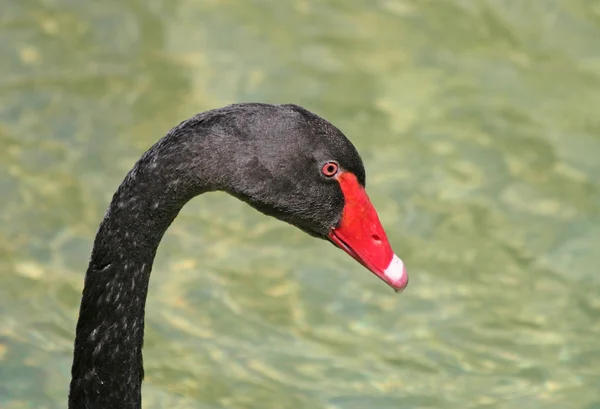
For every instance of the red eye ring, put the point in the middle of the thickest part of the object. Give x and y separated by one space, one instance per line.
330 169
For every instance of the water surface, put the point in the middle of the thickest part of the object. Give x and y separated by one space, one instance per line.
478 124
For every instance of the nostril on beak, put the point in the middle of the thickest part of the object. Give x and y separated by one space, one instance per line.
376 239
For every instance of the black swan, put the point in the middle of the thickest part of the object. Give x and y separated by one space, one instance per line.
282 160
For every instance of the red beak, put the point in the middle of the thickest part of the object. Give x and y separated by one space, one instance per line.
361 235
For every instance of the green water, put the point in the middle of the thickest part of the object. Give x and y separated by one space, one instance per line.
479 125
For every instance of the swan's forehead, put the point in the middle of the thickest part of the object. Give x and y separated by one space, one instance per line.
325 143
291 138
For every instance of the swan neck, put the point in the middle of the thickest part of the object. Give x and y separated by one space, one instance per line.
107 369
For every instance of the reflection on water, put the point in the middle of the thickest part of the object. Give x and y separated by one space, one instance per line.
478 124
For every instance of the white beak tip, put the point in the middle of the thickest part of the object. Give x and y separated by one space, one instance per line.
395 274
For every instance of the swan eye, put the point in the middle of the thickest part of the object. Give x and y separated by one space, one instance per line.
330 169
